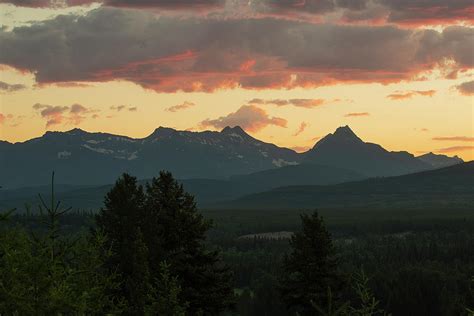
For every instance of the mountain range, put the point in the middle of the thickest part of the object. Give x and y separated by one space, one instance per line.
230 157
446 188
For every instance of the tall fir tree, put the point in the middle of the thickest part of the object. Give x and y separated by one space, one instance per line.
176 233
160 225
310 268
120 220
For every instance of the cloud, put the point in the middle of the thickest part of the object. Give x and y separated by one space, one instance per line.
466 88
455 149
304 103
6 87
145 4
119 108
56 115
301 149
249 117
2 118
166 4
301 128
455 138
403 12
357 114
31 3
410 94
208 54
183 106
422 12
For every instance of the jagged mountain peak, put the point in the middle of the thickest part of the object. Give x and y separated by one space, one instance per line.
162 131
345 132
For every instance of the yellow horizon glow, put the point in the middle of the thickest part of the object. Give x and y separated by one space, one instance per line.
396 125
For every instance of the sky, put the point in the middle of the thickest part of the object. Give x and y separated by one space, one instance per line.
398 72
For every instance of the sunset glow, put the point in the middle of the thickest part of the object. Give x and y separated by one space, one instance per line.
288 72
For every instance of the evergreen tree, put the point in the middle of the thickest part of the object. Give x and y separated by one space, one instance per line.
165 297
163 225
120 220
175 233
49 274
310 268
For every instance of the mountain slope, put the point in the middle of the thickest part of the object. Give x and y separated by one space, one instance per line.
447 187
206 191
345 150
82 158
439 161
79 157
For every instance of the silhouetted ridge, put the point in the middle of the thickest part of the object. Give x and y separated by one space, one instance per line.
162 132
234 130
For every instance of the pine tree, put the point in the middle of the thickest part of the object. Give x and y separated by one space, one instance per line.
45 273
311 267
120 219
175 233
165 296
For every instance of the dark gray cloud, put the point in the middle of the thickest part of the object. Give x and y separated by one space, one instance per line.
167 4
407 12
466 88
6 87
429 12
208 54
31 3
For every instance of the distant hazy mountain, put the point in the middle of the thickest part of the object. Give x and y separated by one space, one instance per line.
345 150
440 161
83 158
450 187
79 157
206 191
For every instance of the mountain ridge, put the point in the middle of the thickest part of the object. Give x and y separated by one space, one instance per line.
94 158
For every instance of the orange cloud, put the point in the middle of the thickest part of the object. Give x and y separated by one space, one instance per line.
304 103
209 54
301 128
2 118
357 114
455 149
183 106
249 117
455 138
301 149
55 115
411 94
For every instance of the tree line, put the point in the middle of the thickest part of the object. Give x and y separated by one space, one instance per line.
146 253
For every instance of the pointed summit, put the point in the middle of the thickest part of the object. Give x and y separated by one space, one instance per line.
342 135
345 132
162 132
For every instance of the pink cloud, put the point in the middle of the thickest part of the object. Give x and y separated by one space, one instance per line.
249 117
